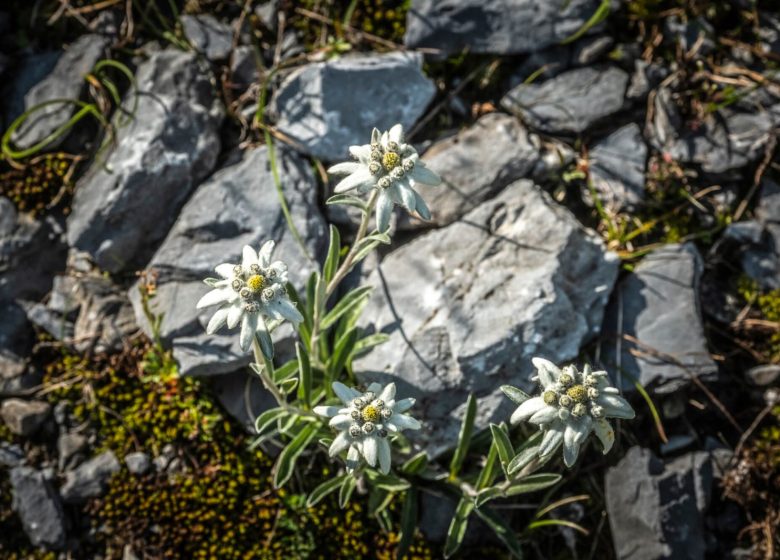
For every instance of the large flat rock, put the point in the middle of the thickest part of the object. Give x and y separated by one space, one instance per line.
652 329
495 27
124 206
571 102
617 168
474 165
236 206
656 508
65 81
326 107
469 305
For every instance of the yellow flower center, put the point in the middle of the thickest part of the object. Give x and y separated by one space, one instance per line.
550 397
255 282
390 160
370 414
578 393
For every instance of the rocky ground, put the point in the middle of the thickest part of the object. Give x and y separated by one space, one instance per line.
611 194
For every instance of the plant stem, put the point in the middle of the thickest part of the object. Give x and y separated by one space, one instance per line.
342 271
265 372
346 266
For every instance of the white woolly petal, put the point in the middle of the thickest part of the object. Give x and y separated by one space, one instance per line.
551 440
249 257
344 168
339 444
387 393
327 411
396 134
570 434
217 320
234 315
548 371
605 433
384 455
225 270
287 309
264 256
421 207
407 195
215 297
344 393
362 153
399 422
570 453
583 426
353 458
248 327
384 209
403 405
350 182
341 421
421 174
384 139
544 415
370 450
527 409
616 406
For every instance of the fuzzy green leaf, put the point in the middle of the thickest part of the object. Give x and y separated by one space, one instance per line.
346 200
304 368
334 248
505 450
518 396
345 492
503 532
346 304
324 489
285 463
416 464
458 526
408 523
464 438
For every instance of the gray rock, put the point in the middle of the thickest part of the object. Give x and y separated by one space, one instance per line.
90 479
768 209
467 306
11 455
328 106
22 417
617 168
656 509
236 206
243 396
208 35
15 341
659 307
39 507
69 447
571 102
65 81
496 27
243 67
31 69
763 376
46 319
122 209
553 61
138 462
106 319
727 139
31 253
474 165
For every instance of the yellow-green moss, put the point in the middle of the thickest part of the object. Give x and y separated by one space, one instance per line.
767 306
221 504
383 18
37 183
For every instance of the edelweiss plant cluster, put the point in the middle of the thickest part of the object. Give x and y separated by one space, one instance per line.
364 425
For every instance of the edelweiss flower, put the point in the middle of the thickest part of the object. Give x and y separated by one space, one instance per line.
249 292
572 405
392 167
365 421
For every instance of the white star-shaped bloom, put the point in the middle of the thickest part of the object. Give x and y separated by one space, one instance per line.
248 293
365 421
571 406
393 168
